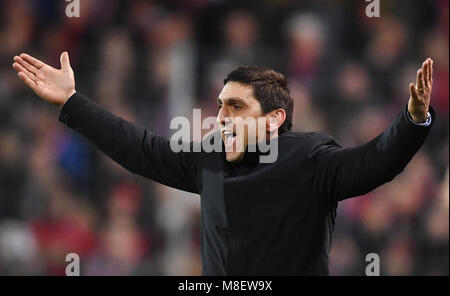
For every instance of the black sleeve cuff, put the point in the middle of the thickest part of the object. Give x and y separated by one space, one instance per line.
408 120
71 106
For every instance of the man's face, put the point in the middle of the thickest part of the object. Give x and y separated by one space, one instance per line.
236 106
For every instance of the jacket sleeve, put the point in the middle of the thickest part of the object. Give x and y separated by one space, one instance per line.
341 173
133 147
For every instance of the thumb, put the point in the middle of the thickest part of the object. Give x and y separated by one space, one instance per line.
65 63
413 92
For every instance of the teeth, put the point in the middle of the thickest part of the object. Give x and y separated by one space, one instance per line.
228 134
229 139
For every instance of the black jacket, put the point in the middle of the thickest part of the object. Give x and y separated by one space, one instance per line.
258 218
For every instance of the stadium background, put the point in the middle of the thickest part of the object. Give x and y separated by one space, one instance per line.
149 61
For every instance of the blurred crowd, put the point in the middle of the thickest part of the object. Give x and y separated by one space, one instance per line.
149 61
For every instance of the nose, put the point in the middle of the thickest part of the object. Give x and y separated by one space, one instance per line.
221 117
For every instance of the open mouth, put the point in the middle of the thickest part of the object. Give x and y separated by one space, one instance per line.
229 138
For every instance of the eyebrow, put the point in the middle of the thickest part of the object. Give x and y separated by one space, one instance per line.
231 100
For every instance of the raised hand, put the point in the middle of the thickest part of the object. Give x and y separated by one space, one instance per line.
55 86
420 93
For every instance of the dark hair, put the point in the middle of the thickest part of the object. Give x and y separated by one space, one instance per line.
269 88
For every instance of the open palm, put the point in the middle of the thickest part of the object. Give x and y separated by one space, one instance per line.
52 85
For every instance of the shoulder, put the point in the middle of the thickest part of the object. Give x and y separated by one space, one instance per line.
310 142
309 138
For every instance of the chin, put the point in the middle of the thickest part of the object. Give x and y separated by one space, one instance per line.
234 156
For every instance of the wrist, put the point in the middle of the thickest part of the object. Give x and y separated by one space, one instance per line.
422 118
71 93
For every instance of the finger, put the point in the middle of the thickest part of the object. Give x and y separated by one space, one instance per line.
420 79
425 71
429 78
431 71
19 68
26 65
413 92
64 59
35 62
27 80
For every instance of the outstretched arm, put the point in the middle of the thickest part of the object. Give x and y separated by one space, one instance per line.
133 147
346 172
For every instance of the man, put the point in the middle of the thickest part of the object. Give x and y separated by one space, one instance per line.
272 218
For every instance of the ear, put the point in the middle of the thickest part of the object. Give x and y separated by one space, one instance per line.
274 119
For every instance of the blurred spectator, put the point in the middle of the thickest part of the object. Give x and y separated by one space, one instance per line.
18 250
